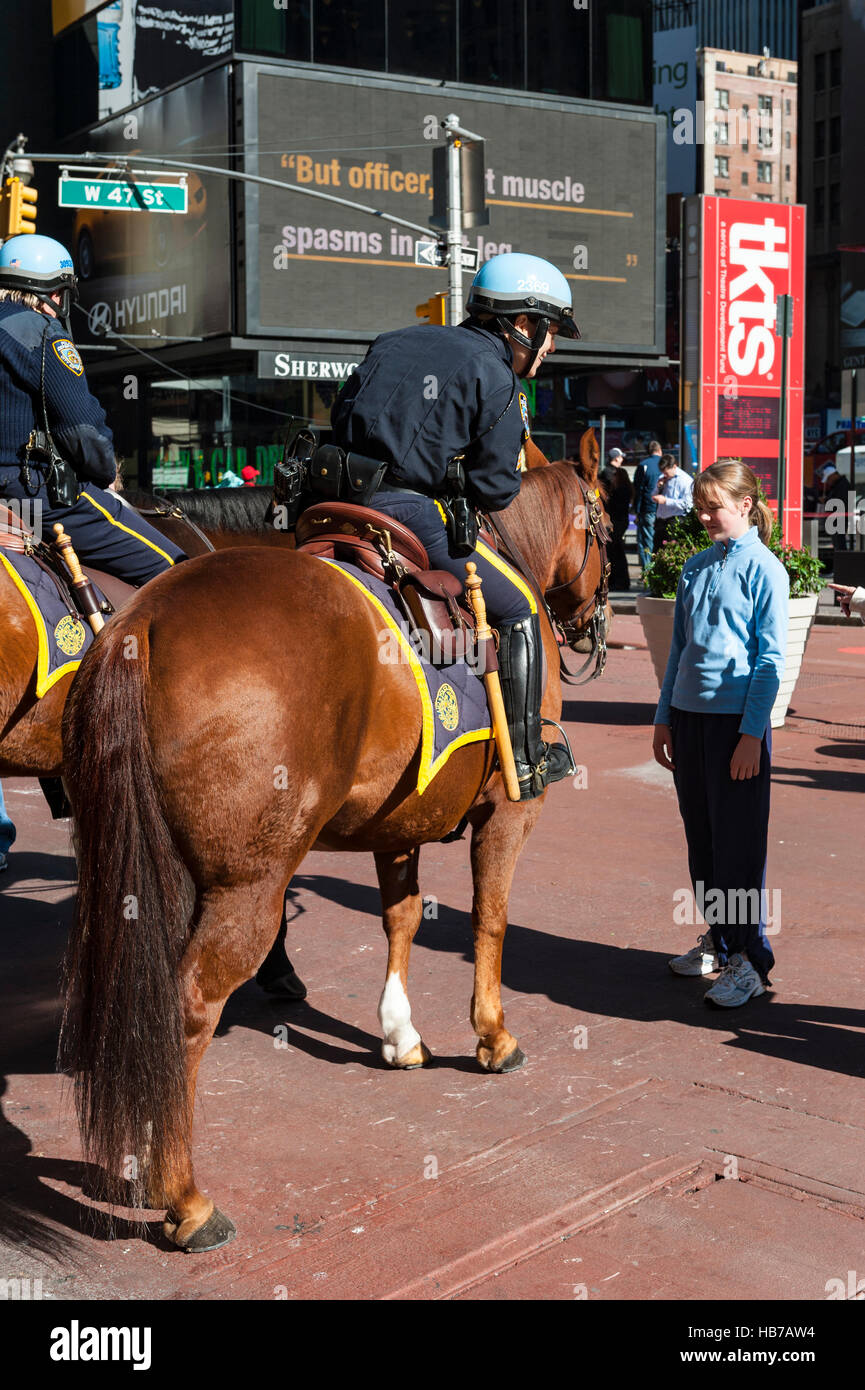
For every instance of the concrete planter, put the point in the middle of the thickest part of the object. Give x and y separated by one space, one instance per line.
656 615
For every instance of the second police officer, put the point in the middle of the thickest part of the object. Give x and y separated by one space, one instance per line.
45 406
424 396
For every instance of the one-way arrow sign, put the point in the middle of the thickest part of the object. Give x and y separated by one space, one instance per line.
434 254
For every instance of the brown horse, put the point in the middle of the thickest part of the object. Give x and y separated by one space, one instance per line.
234 717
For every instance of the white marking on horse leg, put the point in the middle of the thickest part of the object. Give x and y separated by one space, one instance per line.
394 1013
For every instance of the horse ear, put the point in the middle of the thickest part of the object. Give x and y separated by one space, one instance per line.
534 457
590 457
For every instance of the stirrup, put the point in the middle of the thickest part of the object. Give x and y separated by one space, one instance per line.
556 764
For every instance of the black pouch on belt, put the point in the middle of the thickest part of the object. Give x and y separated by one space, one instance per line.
460 517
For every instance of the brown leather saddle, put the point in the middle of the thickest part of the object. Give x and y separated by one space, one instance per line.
432 601
14 535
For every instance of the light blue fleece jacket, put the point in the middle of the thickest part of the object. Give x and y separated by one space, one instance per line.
729 634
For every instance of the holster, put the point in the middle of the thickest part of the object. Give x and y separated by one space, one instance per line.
460 517
61 481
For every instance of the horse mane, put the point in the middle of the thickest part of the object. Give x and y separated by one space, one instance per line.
546 497
234 509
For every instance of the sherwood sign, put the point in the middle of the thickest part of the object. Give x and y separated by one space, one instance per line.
305 366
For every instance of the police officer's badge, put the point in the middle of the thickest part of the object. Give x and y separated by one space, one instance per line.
447 707
68 354
70 635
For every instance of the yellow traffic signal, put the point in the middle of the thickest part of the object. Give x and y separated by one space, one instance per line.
434 310
21 214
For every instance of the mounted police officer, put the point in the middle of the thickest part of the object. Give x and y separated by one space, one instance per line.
54 443
442 407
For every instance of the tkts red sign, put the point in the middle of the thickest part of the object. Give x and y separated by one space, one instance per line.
751 253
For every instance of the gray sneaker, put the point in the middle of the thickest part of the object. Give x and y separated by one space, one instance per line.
700 960
737 983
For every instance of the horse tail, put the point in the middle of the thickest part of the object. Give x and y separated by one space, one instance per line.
122 1036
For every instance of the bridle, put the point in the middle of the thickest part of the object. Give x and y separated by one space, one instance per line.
568 631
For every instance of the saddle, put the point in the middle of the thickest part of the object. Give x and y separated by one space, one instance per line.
432 601
113 593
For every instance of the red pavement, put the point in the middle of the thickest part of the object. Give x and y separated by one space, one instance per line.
651 1149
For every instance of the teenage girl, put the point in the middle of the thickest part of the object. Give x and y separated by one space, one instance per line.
712 725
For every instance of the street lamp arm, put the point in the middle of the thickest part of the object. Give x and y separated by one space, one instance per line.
125 169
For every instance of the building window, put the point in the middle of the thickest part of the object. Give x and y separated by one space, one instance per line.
348 35
819 139
788 107
835 135
491 48
744 175
834 203
835 68
787 173
284 33
722 192
752 72
764 103
787 139
744 146
722 166
765 198
764 171
721 133
819 205
722 99
819 72
414 28
721 67
792 77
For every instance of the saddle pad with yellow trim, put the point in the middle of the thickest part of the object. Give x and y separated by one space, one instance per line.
453 700
63 636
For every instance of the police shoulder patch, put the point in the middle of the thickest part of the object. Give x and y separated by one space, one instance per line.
524 411
67 353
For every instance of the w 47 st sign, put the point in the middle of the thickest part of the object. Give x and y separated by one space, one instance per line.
119 195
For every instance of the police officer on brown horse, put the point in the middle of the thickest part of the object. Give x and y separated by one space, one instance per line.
442 408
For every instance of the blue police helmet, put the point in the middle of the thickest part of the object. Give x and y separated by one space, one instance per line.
514 283
36 263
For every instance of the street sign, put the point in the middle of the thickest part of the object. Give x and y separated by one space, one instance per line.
434 254
118 195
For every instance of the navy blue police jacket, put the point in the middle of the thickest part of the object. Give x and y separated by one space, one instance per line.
422 395
76 419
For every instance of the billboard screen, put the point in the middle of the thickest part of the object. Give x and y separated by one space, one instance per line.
750 253
571 182
142 274
853 200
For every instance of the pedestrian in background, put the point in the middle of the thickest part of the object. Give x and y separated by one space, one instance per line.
675 497
617 486
7 833
835 489
712 725
646 481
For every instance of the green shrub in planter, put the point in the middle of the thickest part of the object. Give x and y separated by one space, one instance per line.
687 536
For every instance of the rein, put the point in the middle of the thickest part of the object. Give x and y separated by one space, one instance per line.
567 629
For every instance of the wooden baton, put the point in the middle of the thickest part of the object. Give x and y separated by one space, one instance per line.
85 597
501 733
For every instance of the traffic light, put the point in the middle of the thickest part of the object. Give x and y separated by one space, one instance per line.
434 310
18 209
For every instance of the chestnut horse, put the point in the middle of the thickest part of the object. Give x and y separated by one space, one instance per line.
233 717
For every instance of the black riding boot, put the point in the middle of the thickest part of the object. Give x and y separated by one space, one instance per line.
538 763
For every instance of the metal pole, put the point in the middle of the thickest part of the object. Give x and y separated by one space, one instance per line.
784 328
455 222
603 436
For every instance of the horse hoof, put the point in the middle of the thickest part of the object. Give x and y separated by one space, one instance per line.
512 1062
417 1057
289 985
216 1231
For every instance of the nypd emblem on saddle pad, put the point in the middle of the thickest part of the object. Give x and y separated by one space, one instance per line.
63 636
453 700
